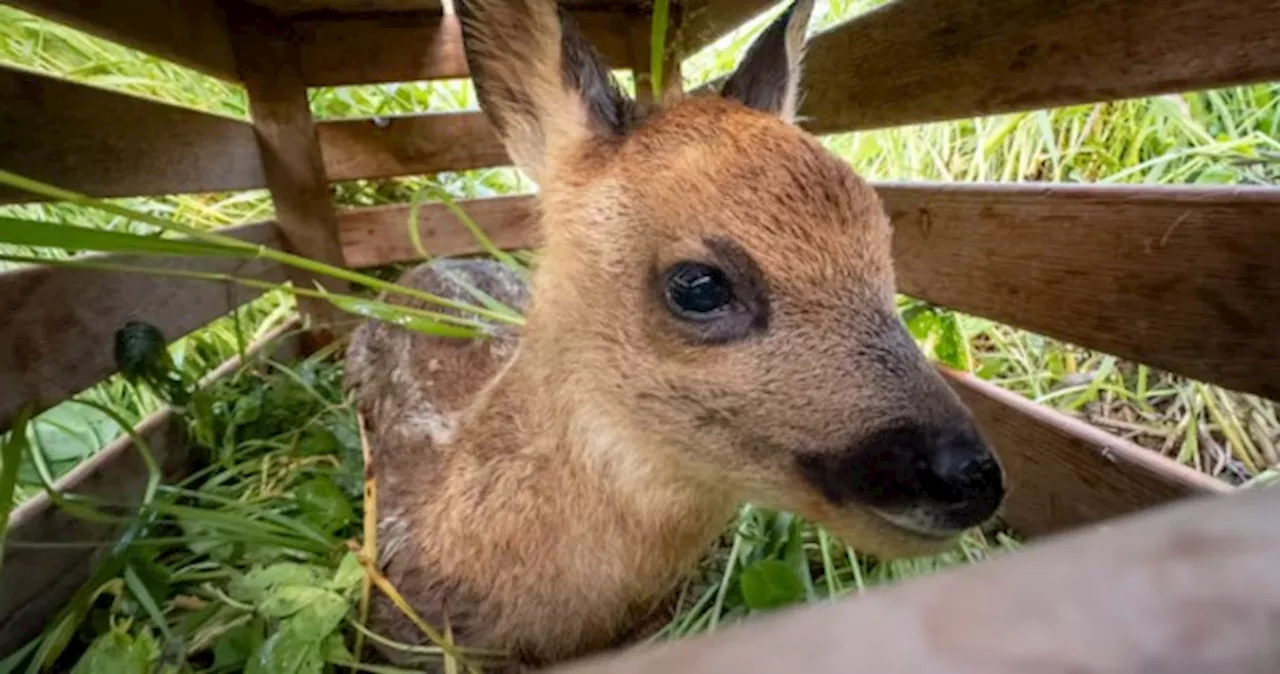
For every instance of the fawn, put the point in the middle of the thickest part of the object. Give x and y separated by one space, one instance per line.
711 322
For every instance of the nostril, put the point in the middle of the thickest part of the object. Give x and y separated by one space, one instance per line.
961 469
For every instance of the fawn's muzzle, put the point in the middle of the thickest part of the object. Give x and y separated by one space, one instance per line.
930 480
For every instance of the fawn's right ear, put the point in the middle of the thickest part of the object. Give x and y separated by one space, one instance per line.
768 78
542 86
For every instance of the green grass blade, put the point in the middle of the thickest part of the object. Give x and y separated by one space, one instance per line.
36 233
11 456
658 45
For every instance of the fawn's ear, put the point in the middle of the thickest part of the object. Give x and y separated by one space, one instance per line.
541 84
768 78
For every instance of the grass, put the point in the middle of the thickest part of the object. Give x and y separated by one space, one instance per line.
253 551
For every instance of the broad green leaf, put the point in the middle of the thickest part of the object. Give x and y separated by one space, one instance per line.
57 235
318 441
115 652
287 600
70 430
769 584
324 503
254 586
950 348
234 647
349 574
298 647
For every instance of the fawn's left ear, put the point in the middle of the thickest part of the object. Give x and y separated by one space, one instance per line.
768 78
541 84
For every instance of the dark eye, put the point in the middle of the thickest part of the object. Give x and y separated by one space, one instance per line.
697 291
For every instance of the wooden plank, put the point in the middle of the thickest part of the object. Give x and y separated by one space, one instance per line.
915 61
191 33
410 144
706 21
378 236
296 7
60 322
291 160
108 144
1064 473
380 48
410 47
1186 588
1184 279
38 581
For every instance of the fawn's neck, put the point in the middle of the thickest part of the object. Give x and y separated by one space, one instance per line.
595 504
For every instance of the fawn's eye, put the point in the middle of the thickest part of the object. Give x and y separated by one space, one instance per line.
697 291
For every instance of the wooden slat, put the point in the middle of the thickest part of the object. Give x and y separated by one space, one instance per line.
378 236
192 33
291 159
59 323
296 7
410 47
108 144
924 60
1183 279
410 144
706 21
38 581
1064 473
1188 588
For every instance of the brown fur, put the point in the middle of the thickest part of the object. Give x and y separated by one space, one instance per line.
545 491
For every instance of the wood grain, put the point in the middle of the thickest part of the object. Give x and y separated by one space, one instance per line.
709 20
915 61
410 47
107 144
38 581
1124 599
1064 473
60 323
291 161
192 33
410 144
378 236
1184 279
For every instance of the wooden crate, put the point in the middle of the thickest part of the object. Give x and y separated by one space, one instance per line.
1184 279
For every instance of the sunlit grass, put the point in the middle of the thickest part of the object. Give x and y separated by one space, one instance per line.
284 482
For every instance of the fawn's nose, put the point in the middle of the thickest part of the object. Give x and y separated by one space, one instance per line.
958 472
927 478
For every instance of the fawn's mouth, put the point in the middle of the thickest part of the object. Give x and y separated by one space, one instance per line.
917 522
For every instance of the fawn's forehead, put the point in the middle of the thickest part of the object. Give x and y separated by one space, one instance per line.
711 169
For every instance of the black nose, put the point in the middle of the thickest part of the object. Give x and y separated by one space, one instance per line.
957 470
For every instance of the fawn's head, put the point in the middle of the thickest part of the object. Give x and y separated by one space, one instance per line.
716 282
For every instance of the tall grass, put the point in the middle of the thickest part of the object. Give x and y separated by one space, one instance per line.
283 491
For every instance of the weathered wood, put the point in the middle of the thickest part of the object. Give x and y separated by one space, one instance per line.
1064 473
706 21
38 581
378 236
410 144
296 7
380 48
1185 588
108 144
60 322
1184 279
291 160
192 33
1180 278
917 61
410 47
